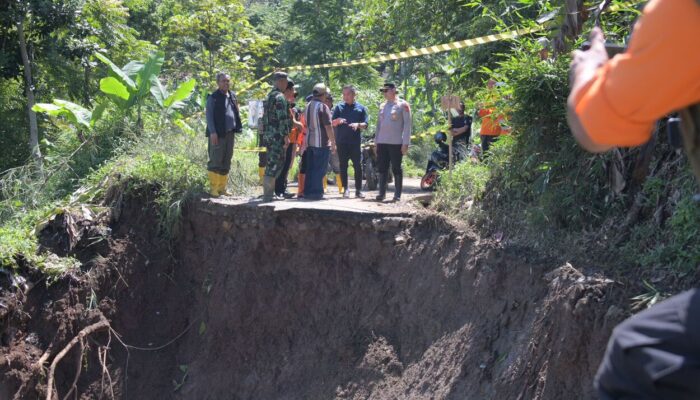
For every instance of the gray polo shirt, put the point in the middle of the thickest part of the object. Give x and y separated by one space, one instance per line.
394 124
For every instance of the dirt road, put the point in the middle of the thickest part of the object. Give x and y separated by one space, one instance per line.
411 199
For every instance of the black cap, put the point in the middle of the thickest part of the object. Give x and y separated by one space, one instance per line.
387 86
290 84
279 75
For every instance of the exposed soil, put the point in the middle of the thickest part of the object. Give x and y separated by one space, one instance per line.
253 303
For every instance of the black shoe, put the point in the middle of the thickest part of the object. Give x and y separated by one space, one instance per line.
380 197
396 199
359 195
288 195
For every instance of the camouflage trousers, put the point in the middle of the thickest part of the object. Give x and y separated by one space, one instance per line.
275 158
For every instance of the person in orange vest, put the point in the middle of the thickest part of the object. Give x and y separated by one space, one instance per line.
616 102
491 122
301 178
297 139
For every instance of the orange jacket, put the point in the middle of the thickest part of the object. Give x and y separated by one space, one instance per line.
490 123
658 74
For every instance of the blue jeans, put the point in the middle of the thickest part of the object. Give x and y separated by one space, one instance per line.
316 165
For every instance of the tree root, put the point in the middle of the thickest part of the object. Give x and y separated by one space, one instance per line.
96 327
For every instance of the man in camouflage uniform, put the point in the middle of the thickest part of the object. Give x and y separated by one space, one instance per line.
277 123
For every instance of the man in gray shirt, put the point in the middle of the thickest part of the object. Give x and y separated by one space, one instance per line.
223 120
392 138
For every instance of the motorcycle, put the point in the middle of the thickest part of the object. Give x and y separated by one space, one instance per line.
370 168
440 158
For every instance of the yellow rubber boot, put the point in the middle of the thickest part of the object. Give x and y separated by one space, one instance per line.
261 173
213 184
325 184
223 182
339 182
300 187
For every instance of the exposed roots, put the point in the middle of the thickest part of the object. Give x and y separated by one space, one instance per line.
103 324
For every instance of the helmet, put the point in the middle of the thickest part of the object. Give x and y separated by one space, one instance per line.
440 137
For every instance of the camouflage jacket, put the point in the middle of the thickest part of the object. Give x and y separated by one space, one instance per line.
277 122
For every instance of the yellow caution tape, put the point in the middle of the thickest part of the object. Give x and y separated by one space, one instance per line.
264 150
251 149
461 44
441 48
252 85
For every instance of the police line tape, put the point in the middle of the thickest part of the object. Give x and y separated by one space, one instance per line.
425 51
460 44
264 150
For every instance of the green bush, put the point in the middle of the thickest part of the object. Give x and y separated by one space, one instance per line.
467 182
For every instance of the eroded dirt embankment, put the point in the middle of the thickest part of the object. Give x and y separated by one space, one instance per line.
309 304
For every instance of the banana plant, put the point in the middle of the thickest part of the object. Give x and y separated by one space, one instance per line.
170 102
131 85
76 114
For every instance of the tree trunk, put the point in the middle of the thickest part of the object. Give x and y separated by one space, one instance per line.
429 91
29 90
86 84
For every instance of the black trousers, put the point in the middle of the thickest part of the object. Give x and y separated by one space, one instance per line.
281 181
346 153
655 354
487 141
390 154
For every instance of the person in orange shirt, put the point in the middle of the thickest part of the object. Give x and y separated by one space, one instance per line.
301 137
615 102
491 127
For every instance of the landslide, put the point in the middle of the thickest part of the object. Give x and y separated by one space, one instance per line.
252 303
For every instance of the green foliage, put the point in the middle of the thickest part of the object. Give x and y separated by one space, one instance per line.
540 165
17 239
173 178
76 114
669 238
130 85
13 126
467 183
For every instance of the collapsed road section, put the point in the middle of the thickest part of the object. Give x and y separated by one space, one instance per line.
256 301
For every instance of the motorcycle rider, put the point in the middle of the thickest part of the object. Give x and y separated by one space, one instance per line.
615 102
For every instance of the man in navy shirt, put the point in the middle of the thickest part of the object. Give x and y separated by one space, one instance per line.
350 119
461 131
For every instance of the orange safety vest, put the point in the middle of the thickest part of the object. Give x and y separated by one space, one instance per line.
490 123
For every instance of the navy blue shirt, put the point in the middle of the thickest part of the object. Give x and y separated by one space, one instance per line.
460 122
353 113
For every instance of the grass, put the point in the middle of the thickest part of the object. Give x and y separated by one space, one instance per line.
466 183
169 162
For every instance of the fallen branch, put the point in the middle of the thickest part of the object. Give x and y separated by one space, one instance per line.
98 326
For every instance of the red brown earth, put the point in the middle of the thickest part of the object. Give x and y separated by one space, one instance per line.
250 302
